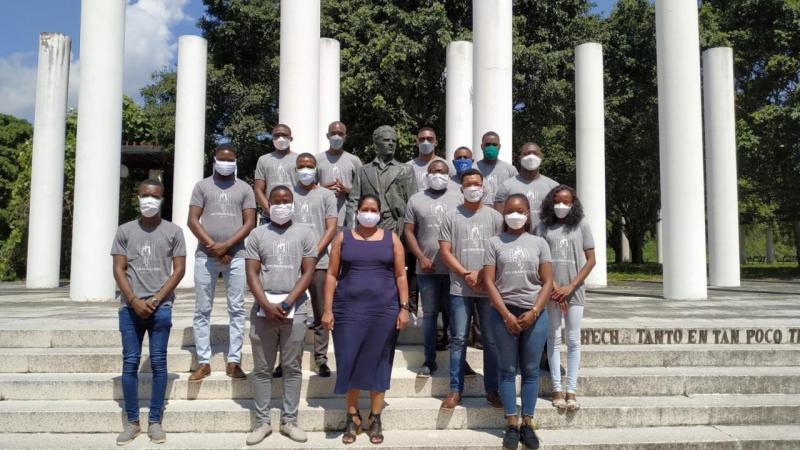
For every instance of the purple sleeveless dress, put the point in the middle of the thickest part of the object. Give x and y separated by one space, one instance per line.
365 308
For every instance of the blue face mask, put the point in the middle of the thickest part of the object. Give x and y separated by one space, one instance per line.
462 165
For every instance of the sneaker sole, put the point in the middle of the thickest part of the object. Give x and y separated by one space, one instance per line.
158 441
293 439
120 444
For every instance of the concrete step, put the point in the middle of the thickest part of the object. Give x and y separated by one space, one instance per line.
595 332
601 381
108 359
224 416
653 438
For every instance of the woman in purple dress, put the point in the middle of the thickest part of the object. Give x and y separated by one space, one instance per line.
366 305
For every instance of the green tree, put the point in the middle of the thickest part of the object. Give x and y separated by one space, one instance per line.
765 36
393 63
632 162
14 134
136 126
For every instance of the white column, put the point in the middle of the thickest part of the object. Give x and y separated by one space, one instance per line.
47 174
721 180
626 244
492 74
458 119
329 88
659 243
680 132
770 241
98 149
298 101
190 123
590 160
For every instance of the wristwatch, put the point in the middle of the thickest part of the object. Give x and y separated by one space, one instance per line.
285 306
405 306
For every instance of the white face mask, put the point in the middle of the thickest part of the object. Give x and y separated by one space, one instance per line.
224 168
426 148
281 143
307 176
336 141
437 181
473 194
515 221
531 162
281 214
368 219
561 210
149 206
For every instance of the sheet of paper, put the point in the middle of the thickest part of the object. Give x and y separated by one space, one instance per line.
276 299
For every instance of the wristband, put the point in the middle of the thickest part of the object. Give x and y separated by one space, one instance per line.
405 306
285 306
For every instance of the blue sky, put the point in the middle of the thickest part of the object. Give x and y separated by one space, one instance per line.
152 28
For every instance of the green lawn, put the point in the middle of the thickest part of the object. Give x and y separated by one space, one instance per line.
652 272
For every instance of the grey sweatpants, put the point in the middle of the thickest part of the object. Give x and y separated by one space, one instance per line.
266 338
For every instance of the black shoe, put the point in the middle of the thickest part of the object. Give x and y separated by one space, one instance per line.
528 437
324 371
511 438
278 372
468 372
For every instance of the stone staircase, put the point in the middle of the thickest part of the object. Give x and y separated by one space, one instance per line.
60 387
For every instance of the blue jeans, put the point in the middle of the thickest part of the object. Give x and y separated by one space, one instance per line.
206 272
434 293
521 352
132 329
460 318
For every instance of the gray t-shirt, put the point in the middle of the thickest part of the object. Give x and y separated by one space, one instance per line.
468 234
281 252
493 176
277 170
311 208
426 210
149 252
567 248
516 259
421 171
535 190
222 203
343 168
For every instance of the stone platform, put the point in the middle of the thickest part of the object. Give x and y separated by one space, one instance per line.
720 373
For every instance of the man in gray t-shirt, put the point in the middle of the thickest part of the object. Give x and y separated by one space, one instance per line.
426 145
280 265
529 182
221 214
462 243
149 261
337 168
315 210
424 215
275 168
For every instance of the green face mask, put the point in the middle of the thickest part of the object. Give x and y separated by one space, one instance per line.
490 152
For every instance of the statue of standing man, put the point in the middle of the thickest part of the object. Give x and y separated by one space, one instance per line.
386 178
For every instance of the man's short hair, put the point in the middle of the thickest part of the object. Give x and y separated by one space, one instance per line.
152 182
226 147
470 172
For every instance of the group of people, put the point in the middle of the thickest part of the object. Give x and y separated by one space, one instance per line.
345 248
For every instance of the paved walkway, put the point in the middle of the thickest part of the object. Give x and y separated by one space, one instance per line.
628 305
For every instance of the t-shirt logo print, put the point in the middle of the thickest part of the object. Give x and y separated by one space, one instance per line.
563 253
438 210
280 250
145 254
280 176
475 233
225 204
304 212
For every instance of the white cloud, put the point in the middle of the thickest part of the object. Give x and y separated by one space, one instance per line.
149 42
149 46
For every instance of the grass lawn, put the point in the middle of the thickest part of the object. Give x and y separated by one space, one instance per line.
652 272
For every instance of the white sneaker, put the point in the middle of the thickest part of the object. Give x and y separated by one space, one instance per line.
293 432
259 433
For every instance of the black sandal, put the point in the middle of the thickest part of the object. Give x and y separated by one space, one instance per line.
351 430
375 431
